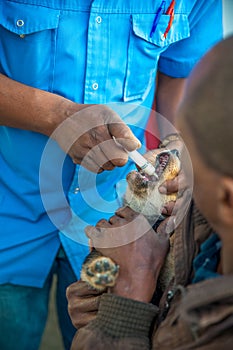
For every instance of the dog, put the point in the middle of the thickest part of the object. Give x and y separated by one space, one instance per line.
143 196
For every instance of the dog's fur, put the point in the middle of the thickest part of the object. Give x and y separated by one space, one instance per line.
143 196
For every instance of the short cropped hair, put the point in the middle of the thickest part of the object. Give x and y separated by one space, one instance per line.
208 108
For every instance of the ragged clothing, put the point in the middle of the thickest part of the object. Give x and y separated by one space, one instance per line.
189 316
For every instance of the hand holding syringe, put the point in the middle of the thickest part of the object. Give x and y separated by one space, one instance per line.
138 159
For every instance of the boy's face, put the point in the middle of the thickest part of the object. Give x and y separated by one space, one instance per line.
206 180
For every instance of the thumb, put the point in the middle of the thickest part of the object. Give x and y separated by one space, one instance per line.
166 227
124 136
91 232
99 236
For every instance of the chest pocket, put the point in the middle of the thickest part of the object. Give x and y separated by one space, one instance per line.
144 51
28 43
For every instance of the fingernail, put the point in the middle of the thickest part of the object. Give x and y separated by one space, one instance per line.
171 225
136 142
139 145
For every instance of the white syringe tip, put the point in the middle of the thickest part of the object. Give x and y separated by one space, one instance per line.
148 169
142 162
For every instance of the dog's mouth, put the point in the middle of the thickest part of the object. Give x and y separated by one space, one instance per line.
139 181
143 180
161 162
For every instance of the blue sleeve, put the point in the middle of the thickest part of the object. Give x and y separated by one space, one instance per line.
206 29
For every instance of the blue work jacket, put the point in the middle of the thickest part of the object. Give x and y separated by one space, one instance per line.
91 52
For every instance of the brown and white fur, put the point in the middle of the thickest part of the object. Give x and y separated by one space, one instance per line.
143 196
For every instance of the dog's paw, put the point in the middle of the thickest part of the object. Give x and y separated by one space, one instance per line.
100 272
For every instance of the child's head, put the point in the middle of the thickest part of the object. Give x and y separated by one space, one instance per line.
205 119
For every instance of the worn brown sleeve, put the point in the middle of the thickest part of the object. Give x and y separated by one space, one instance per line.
121 323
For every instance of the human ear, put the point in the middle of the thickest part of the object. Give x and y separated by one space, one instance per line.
226 200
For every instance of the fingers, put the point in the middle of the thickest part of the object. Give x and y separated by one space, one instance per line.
99 154
103 223
123 215
83 319
168 208
178 209
178 184
91 231
126 212
87 136
116 220
124 136
169 186
111 153
119 129
89 164
166 228
101 235
83 303
151 155
79 289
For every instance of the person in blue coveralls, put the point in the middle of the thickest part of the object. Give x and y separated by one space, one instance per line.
68 70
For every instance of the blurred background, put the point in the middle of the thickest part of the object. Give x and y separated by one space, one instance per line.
227 17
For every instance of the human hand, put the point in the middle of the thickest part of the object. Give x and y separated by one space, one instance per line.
83 303
181 185
178 185
87 136
128 239
179 188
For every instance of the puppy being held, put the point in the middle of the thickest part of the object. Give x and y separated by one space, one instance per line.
143 196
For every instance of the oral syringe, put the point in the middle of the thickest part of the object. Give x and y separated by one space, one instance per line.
138 159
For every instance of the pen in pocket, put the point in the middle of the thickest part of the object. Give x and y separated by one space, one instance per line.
170 12
157 17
